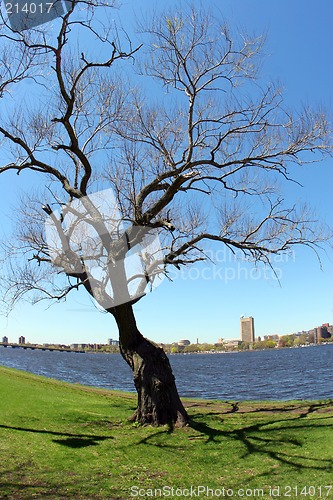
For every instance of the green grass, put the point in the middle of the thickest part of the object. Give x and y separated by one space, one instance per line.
60 440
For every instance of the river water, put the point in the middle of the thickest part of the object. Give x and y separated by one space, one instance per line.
278 374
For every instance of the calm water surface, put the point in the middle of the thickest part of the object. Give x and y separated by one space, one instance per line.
304 373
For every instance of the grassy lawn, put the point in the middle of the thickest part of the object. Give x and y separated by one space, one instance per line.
59 440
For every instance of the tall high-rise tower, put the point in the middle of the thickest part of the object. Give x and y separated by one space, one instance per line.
247 329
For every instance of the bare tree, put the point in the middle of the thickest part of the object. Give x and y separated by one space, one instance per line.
205 163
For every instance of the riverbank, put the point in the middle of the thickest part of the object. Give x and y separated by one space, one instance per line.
170 349
60 440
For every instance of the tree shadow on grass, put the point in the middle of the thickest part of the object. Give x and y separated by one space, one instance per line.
271 439
9 489
65 438
79 442
261 439
17 487
19 490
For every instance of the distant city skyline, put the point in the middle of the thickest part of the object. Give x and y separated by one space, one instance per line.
247 334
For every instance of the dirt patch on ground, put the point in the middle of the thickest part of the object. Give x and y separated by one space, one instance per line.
226 407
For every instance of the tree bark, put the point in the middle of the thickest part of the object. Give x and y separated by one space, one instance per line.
158 399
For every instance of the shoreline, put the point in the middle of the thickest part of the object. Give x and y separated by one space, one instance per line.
37 347
252 350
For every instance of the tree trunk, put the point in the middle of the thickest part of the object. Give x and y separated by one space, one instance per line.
158 399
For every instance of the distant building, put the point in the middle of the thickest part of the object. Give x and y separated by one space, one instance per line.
22 340
113 342
247 329
183 342
78 347
322 332
5 340
232 343
271 337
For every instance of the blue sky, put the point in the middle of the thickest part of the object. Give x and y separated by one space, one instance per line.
206 302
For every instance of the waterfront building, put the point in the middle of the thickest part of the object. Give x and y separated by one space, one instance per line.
113 342
5 340
271 337
247 329
21 340
232 343
183 342
322 332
